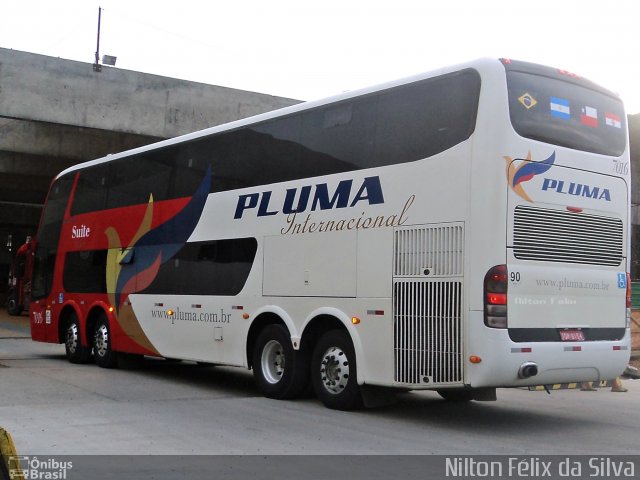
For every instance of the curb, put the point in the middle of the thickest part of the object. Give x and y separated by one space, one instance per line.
9 461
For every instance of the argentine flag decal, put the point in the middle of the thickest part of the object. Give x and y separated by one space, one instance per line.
560 108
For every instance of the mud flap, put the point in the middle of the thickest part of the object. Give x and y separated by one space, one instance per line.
484 394
374 397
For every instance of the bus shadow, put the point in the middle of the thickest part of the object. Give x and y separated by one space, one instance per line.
227 380
425 408
499 416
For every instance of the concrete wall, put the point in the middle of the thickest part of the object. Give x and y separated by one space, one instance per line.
53 90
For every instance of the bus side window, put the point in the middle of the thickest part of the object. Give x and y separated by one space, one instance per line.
91 192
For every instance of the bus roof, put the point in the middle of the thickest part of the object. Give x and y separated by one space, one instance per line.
480 64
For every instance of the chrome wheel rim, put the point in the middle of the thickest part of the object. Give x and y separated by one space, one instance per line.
101 340
72 338
334 370
272 361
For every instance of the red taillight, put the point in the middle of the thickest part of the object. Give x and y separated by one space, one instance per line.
495 297
628 290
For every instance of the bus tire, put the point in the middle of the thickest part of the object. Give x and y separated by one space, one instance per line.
334 371
456 395
280 371
74 350
103 354
13 306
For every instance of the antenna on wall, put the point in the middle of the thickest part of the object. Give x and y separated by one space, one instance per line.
106 59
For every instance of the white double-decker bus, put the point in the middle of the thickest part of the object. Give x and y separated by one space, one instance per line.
457 231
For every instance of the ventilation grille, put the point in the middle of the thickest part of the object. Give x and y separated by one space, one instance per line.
427 332
557 236
431 251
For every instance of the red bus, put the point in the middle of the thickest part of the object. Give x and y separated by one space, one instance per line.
19 292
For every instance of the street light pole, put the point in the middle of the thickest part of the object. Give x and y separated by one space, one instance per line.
96 66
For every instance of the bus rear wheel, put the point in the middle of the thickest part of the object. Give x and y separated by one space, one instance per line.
280 371
74 350
334 371
104 356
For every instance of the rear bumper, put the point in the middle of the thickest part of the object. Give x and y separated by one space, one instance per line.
557 362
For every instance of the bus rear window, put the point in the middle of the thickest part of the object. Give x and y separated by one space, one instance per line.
566 114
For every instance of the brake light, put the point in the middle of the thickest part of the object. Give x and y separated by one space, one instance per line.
628 290
568 74
495 297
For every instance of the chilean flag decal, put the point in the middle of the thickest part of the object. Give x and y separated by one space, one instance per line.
589 117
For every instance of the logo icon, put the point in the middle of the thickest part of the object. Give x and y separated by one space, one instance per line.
518 175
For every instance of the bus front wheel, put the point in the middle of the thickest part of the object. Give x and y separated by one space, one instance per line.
76 353
280 371
104 356
334 371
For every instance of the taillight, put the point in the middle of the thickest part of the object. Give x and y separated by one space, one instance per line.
495 297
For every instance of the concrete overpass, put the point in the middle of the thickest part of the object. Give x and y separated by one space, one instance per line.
55 113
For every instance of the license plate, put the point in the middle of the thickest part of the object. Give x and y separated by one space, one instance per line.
572 335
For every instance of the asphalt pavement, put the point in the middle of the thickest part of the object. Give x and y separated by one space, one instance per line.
52 407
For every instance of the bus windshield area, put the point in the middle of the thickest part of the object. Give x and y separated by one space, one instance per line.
566 114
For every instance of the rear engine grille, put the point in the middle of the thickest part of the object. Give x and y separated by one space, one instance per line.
427 332
558 236
427 304
436 249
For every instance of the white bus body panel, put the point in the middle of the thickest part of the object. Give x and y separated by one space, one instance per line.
348 273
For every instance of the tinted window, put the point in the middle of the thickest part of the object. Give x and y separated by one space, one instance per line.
134 181
49 236
85 272
401 124
91 192
566 114
219 267
424 119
